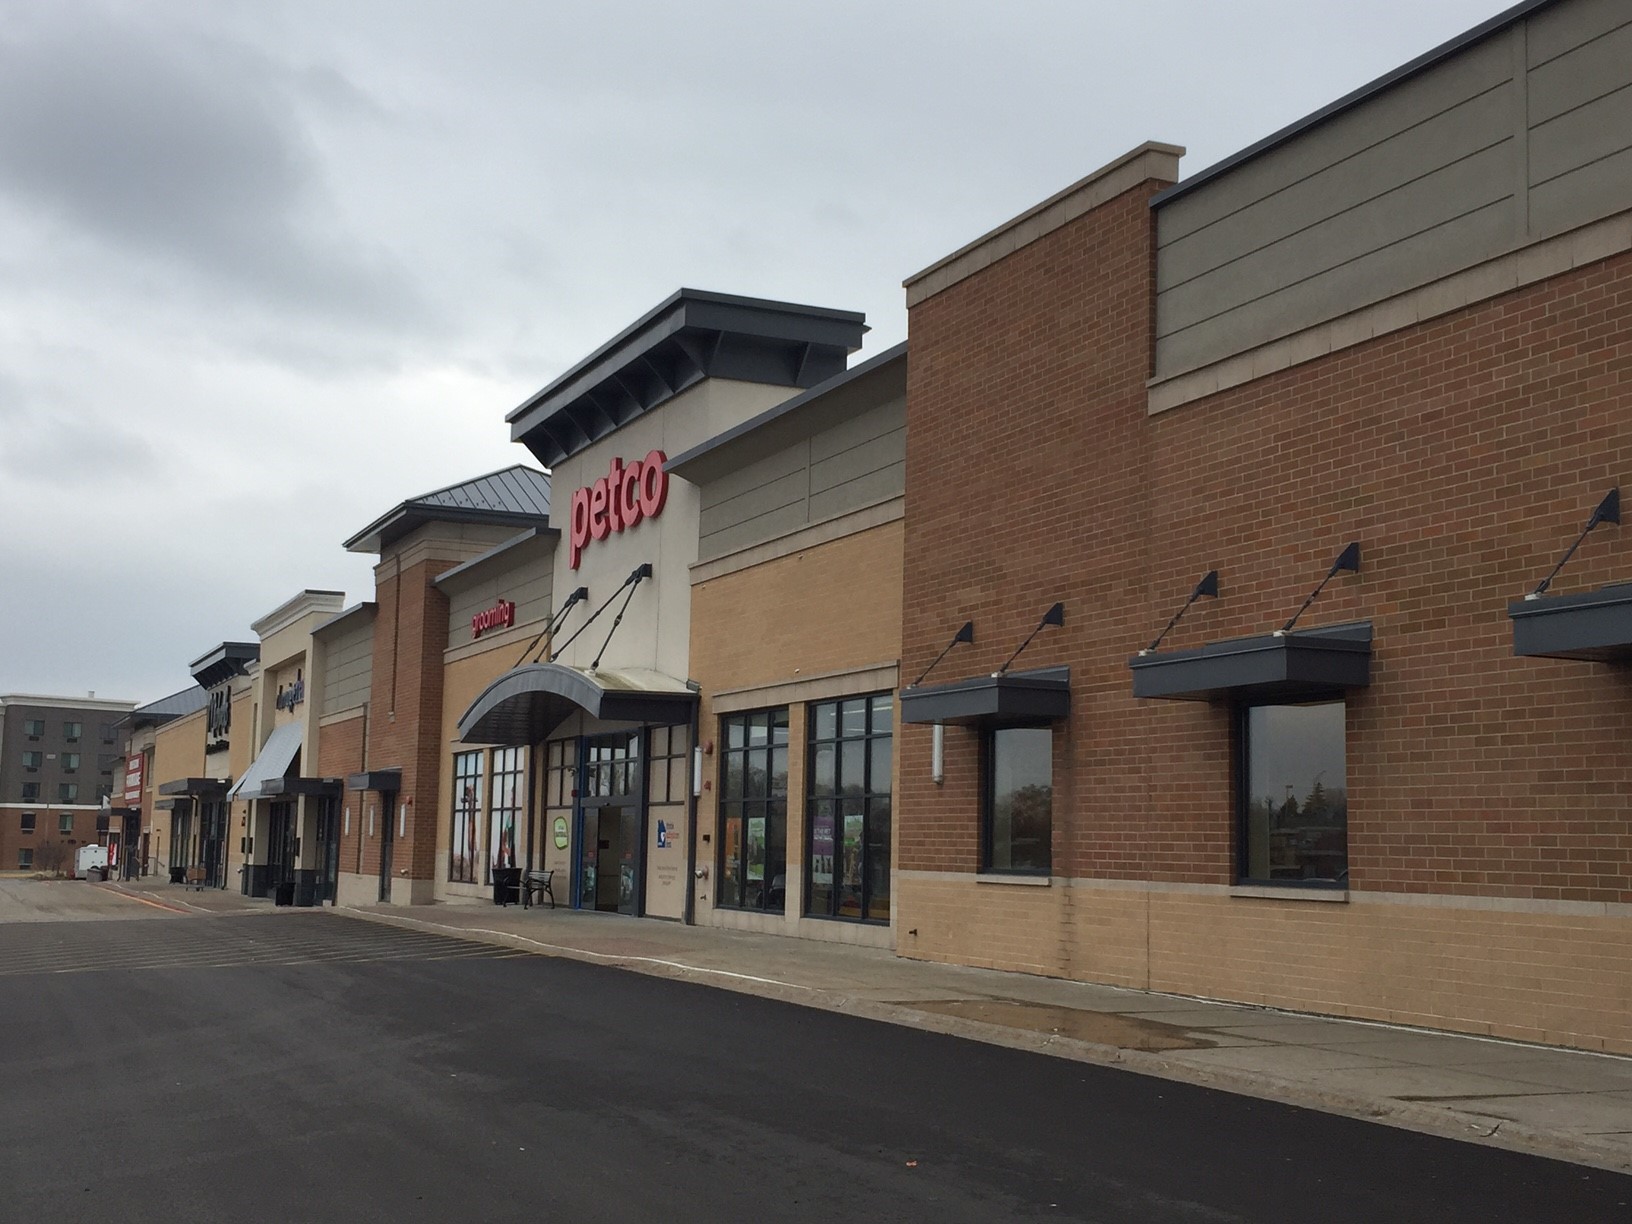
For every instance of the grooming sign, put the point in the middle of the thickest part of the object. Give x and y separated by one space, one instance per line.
500 616
618 500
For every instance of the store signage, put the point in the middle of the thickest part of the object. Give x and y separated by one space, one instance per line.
289 698
133 779
219 718
500 616
617 501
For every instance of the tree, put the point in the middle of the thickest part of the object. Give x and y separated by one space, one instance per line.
51 857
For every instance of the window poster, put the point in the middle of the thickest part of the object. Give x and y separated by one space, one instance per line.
853 822
756 848
821 846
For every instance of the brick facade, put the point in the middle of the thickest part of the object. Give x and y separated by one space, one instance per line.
1488 836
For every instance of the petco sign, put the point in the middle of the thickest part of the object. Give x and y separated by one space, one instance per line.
616 501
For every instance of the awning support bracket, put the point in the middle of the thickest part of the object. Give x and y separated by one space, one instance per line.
1608 511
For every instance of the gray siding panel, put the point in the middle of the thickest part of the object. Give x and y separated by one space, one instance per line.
854 462
1581 75
1521 137
1600 129
761 500
1338 195
1440 203
1574 199
1559 30
867 489
529 587
348 668
1474 73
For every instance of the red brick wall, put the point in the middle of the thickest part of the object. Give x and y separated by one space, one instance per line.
1027 482
340 752
405 709
1463 454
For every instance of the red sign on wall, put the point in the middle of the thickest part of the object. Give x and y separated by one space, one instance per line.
500 616
617 501
133 779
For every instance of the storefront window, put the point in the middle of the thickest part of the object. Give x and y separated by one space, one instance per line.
754 811
1295 806
668 765
848 820
467 806
1019 816
506 811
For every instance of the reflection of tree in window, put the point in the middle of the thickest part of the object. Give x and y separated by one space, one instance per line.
1020 799
1296 818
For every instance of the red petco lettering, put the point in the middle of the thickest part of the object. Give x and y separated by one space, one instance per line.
500 616
620 499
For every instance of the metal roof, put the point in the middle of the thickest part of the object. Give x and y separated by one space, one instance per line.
176 705
514 494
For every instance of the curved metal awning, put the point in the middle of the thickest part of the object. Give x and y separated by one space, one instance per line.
527 703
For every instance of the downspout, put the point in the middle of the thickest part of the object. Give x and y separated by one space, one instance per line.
689 912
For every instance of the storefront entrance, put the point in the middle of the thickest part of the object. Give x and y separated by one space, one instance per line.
328 850
388 837
212 845
181 840
280 848
610 829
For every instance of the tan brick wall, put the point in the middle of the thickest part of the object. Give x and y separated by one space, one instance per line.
1560 979
830 608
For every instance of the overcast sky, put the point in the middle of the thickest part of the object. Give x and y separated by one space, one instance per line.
267 269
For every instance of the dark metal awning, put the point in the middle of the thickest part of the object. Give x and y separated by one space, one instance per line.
383 780
1276 666
1595 626
291 787
1014 697
527 703
202 788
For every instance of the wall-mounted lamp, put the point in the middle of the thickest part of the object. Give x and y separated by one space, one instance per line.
1207 588
937 754
1608 511
1054 616
1348 562
965 634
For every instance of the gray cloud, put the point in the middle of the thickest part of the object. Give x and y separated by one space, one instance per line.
242 244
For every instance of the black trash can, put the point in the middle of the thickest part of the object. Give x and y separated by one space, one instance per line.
284 894
178 875
506 885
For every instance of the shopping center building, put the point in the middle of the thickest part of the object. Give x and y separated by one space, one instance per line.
1384 355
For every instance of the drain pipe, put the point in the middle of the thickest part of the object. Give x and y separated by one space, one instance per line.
694 773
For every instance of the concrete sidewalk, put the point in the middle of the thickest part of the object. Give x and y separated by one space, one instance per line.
1568 1105
157 890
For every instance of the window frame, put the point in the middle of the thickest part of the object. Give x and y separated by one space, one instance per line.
27 822
461 776
1242 785
25 858
870 794
511 763
763 803
31 792
65 823
71 731
67 792
988 799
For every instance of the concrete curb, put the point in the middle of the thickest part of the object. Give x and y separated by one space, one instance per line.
1440 1121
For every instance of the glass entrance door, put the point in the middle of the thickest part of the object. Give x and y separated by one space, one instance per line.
280 846
388 831
610 825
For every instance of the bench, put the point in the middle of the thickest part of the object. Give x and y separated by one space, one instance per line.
194 878
536 882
